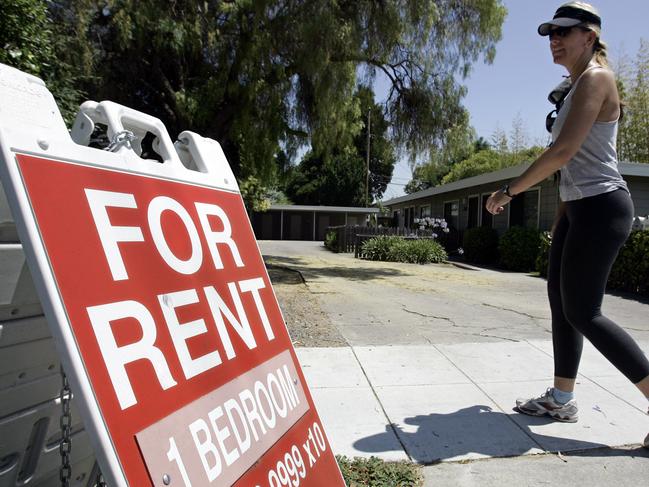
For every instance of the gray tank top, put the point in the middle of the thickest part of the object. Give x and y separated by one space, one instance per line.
593 169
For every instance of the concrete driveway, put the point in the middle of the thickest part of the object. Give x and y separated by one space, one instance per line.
437 356
383 303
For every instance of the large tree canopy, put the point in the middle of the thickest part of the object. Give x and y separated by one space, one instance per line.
268 75
29 42
342 174
489 160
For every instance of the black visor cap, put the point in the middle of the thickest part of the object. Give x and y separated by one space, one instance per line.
568 16
579 14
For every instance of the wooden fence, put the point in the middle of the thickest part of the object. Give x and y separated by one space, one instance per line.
347 237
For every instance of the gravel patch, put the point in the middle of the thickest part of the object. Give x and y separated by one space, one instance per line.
308 325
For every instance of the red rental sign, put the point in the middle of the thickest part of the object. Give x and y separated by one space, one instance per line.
178 329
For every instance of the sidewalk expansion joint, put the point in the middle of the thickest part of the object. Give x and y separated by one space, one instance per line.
594 381
526 433
385 413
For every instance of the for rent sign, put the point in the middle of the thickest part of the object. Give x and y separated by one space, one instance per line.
177 327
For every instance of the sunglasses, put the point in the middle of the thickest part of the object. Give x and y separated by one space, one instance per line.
560 32
557 96
550 119
564 31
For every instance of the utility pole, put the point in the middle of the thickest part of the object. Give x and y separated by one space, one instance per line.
367 168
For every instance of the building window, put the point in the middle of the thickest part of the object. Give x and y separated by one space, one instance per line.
487 219
424 211
474 211
524 210
409 217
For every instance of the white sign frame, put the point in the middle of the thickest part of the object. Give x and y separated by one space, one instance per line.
31 124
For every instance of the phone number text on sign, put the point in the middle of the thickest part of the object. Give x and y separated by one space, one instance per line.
294 467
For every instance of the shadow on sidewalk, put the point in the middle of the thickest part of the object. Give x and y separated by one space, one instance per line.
351 273
479 430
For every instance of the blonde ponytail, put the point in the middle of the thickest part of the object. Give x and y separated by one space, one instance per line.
600 52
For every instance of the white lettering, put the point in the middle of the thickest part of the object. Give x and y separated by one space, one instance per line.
250 409
205 448
159 205
213 238
173 455
274 393
232 405
220 309
288 387
253 286
116 357
270 419
110 235
181 332
222 434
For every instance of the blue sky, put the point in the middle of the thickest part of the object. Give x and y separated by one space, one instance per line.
517 83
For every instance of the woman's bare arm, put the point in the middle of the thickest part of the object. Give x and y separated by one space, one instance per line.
588 99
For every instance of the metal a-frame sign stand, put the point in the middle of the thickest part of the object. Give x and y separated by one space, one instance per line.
158 300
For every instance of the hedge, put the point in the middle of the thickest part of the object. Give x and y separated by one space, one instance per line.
480 245
518 248
397 249
630 271
331 240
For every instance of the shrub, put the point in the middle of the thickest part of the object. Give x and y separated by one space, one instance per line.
397 249
374 472
480 245
425 251
630 271
544 254
438 228
519 248
420 251
377 248
331 240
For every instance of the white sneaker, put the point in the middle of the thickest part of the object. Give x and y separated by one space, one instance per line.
546 405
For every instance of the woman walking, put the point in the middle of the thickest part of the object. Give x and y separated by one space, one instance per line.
594 217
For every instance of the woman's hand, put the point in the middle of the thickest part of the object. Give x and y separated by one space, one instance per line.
496 202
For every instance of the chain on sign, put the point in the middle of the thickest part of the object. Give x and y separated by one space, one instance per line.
65 446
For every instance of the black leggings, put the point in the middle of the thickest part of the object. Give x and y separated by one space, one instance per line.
586 242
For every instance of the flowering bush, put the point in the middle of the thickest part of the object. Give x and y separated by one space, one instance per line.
440 230
432 224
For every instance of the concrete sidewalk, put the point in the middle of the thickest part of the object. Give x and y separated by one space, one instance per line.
453 403
434 367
